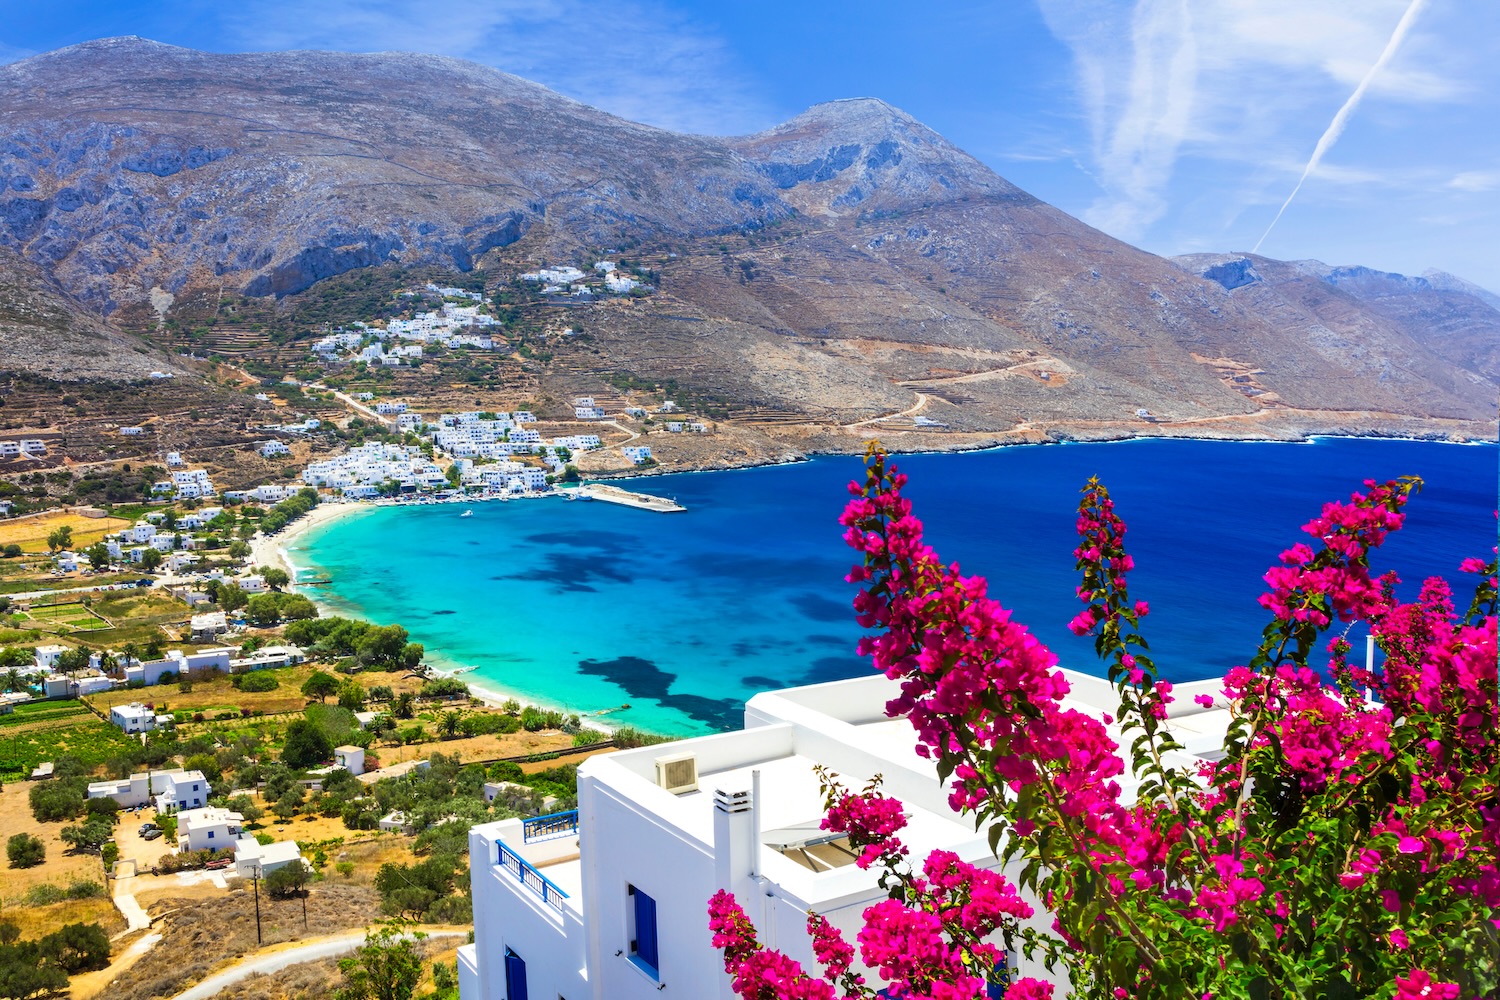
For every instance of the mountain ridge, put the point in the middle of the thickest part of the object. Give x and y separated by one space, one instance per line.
839 265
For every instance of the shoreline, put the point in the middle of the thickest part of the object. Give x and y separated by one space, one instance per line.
276 550
1302 436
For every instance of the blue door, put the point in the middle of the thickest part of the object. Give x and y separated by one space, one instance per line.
645 930
515 976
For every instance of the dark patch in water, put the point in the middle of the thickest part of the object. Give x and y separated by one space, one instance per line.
767 683
473 541
641 678
832 640
569 573
834 668
445 611
769 573
601 540
820 608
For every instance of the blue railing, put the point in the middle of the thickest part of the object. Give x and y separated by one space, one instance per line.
549 827
531 878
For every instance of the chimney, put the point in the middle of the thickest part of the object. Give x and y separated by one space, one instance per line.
735 837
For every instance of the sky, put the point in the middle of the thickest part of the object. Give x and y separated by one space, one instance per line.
1181 126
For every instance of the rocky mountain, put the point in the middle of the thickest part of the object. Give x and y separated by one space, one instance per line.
44 332
845 266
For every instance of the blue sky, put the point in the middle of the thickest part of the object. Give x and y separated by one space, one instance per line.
1179 125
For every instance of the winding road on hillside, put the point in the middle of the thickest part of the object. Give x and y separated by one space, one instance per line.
275 961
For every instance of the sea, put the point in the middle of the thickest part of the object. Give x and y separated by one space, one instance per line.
670 622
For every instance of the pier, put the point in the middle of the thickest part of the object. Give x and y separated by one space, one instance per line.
641 501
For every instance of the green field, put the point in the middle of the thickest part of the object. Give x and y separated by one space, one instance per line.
42 711
72 615
35 736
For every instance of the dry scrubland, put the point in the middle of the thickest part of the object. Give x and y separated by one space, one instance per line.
31 532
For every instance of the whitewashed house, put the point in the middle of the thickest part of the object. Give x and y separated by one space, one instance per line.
252 859
208 829
609 902
132 431
172 790
350 758
273 448
133 718
46 656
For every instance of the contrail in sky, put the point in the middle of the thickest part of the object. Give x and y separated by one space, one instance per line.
1340 120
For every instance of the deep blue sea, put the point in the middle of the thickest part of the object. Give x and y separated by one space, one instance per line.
590 606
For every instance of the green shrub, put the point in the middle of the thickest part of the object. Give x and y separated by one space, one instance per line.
45 895
25 851
257 681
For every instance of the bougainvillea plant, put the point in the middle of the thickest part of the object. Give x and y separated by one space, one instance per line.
1344 843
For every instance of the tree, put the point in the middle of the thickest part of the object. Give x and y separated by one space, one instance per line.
275 577
98 555
387 966
25 851
231 597
60 538
287 804
382 644
320 685
1338 845
151 560
56 800
72 661
411 655
403 707
352 696
264 609
76 948
91 835
23 973
238 549
306 746
288 880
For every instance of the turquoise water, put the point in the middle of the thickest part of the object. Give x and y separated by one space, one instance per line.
591 606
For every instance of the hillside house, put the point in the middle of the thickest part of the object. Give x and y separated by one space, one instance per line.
607 902
252 859
171 790
208 829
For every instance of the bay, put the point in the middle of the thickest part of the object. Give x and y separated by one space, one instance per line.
591 606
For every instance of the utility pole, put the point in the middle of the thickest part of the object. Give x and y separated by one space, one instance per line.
255 880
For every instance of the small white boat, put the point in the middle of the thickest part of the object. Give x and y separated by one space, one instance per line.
467 513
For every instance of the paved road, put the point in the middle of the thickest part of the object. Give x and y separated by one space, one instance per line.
275 961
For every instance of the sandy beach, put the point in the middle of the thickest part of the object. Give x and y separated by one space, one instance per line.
272 550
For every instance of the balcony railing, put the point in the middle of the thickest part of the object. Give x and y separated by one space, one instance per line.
531 878
549 827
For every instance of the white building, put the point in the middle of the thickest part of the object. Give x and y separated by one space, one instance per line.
208 829
350 758
637 453
133 718
387 406
252 859
610 902
206 627
132 431
172 790
174 459
46 656
273 448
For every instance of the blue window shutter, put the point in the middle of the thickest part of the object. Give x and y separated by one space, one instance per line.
645 929
515 976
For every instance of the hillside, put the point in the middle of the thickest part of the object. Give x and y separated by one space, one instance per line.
847 265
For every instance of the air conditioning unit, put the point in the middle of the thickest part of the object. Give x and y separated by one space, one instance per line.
677 773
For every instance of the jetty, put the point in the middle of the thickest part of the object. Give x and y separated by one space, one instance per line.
641 501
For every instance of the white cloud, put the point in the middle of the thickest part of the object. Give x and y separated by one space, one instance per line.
1476 181
1242 82
633 58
